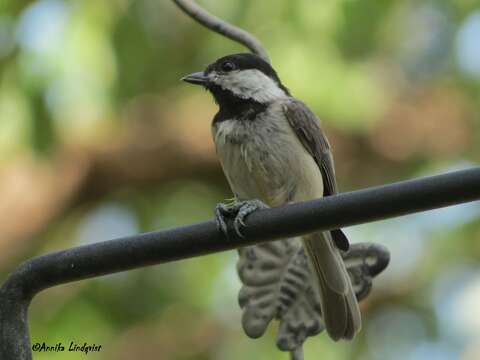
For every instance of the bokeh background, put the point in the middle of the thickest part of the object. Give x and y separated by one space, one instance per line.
100 139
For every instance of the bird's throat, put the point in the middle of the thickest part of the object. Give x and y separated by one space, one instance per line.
233 106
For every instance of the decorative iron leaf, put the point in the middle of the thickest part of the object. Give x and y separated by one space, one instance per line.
277 285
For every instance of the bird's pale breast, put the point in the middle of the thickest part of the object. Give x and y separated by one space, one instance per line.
263 159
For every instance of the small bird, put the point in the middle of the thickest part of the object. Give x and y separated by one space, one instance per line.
273 151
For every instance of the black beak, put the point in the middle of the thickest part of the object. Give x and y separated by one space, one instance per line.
197 78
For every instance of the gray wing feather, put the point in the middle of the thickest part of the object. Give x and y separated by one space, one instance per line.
307 128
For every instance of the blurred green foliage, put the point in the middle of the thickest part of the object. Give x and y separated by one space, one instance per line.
396 84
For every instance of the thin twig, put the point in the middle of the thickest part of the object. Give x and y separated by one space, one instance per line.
222 27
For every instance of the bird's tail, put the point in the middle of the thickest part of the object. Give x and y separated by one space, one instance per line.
340 309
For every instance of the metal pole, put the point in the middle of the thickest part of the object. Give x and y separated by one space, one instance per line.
158 247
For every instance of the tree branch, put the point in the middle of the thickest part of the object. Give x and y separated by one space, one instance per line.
132 252
222 27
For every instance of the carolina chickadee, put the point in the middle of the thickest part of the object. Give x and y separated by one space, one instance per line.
271 148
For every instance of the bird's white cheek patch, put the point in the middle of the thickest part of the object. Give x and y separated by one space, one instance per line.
250 84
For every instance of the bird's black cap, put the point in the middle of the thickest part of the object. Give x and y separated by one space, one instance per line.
245 61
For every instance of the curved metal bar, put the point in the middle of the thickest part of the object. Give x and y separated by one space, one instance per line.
127 253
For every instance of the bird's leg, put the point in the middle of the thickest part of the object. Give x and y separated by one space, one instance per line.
237 212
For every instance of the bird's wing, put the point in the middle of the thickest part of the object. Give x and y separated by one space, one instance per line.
307 128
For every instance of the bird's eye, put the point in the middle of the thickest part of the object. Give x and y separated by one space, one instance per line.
228 66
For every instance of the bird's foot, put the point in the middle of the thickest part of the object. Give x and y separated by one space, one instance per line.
236 212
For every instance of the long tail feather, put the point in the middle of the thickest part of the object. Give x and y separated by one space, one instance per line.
340 309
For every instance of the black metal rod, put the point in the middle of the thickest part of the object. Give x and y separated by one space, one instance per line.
122 254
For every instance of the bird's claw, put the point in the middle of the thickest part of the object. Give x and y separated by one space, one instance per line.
221 211
238 212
